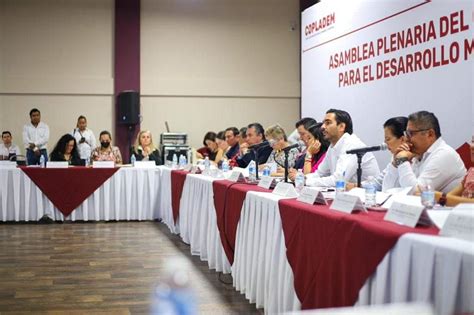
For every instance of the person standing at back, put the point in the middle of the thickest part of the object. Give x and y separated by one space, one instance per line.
35 138
85 138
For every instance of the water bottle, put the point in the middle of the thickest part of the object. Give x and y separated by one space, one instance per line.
185 161
87 162
252 171
133 159
174 295
207 166
266 170
370 192
299 181
427 195
175 161
181 162
225 165
42 161
340 183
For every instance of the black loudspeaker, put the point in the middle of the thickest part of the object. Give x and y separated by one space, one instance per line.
128 108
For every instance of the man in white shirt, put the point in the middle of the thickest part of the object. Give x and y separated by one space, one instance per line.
7 148
35 138
432 160
85 139
337 129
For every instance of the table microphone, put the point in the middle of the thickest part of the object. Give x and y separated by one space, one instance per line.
381 147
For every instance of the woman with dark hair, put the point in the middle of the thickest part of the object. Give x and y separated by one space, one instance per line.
215 154
316 151
394 129
66 150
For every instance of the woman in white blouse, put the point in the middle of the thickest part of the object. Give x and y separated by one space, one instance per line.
394 129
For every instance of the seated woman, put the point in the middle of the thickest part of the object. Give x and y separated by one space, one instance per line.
221 142
145 150
464 193
66 151
215 154
106 152
316 150
277 138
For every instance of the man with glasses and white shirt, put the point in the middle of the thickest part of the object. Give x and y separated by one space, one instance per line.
426 158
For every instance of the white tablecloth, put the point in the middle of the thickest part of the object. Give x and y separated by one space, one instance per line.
130 194
198 222
261 270
164 200
425 268
419 268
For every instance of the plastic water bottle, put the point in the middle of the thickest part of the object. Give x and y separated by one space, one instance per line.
207 166
133 159
252 171
340 183
175 161
87 162
299 181
42 161
266 170
174 296
225 165
427 195
182 161
370 192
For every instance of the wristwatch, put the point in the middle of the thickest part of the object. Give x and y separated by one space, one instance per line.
399 161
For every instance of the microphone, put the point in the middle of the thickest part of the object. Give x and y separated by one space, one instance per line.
381 147
259 146
288 148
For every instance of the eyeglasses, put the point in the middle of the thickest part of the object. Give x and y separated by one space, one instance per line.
410 133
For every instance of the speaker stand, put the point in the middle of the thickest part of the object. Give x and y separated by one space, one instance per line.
131 131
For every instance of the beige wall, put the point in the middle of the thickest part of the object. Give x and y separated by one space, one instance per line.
222 62
211 64
56 55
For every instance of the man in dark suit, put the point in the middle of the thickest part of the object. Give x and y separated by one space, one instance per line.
256 143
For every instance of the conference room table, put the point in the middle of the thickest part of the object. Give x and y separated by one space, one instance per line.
250 241
283 255
80 193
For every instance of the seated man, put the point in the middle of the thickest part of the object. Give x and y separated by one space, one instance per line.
426 158
255 136
232 136
8 150
337 129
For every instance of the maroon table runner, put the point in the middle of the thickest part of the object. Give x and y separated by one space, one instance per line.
177 184
67 188
228 200
332 254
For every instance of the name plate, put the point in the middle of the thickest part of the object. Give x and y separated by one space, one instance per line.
57 164
459 224
347 203
236 176
145 164
311 196
7 164
285 190
266 182
404 213
103 164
